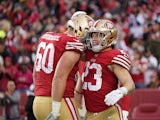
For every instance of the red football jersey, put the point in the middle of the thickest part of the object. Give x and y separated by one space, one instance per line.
81 67
51 47
98 79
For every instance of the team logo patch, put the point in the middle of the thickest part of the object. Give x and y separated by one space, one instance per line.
108 25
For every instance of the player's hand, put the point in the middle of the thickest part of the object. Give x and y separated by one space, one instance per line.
52 116
55 111
113 97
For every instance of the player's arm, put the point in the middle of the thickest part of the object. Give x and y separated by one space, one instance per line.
78 89
64 67
125 79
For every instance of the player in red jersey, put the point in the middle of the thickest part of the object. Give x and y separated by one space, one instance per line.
54 73
124 102
105 68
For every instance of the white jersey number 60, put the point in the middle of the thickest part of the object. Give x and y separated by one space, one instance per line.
41 57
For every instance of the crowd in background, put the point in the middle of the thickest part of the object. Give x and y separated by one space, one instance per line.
23 21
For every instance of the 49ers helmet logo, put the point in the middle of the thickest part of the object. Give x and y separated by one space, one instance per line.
108 25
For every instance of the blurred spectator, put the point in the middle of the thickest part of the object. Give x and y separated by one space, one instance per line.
4 76
18 14
155 34
147 31
152 65
33 52
24 77
10 69
11 100
155 81
136 30
4 51
1 61
22 56
138 67
5 24
28 107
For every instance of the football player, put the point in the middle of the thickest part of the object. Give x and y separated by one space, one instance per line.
105 68
54 72
124 102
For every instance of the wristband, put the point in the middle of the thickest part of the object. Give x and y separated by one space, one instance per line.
125 113
124 90
56 107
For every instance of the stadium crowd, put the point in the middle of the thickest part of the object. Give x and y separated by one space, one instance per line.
23 21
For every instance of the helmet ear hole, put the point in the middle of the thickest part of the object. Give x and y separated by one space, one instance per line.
109 41
80 29
111 38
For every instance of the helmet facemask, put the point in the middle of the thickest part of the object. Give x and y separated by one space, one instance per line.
99 43
106 35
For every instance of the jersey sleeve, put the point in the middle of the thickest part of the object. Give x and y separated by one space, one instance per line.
122 59
73 44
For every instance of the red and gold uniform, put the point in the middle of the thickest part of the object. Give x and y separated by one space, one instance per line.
50 49
101 81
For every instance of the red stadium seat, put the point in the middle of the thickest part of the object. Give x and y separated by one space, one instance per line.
145 104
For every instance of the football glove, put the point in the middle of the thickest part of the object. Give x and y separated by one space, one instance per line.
55 111
51 117
114 96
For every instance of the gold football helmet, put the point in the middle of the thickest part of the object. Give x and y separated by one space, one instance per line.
82 22
70 23
106 35
78 13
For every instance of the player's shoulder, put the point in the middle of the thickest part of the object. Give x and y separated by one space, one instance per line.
68 37
116 52
50 36
121 57
58 37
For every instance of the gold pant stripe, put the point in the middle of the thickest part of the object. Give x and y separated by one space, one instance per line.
71 108
119 111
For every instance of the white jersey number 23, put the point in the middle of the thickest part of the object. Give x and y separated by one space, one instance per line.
97 77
